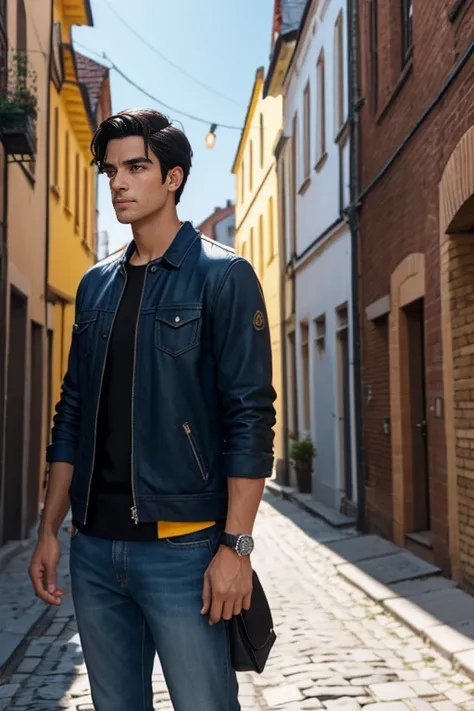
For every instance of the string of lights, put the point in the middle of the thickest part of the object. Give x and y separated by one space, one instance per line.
213 126
168 61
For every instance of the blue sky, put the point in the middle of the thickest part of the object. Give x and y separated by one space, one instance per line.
219 42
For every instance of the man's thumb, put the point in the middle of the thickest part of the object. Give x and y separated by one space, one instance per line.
51 577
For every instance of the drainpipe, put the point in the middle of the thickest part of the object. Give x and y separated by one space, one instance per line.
354 127
283 474
47 209
3 334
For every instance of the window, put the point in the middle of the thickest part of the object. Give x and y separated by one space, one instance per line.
407 30
294 181
292 385
321 109
21 37
66 173
251 247
85 226
262 142
339 73
77 193
271 231
305 376
261 244
320 338
374 54
242 183
56 149
244 250
251 166
307 133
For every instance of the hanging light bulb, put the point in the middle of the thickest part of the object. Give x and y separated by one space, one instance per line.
211 136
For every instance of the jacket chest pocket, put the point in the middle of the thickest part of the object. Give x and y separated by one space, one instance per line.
83 330
177 328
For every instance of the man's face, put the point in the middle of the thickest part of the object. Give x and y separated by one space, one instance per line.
136 181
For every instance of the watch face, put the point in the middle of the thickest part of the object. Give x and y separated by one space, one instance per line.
244 544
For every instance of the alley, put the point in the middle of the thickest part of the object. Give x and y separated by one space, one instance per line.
336 649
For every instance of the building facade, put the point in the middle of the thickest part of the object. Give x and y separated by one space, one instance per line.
80 99
256 217
25 30
315 179
221 225
417 269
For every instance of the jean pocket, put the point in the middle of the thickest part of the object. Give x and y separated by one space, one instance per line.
198 539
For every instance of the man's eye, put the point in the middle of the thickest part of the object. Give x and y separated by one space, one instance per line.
136 167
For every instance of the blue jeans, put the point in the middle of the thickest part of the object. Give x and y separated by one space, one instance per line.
134 598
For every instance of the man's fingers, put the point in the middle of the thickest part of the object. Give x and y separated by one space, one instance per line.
237 607
228 610
206 595
216 610
36 575
247 601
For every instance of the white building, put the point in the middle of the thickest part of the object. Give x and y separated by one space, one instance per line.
314 177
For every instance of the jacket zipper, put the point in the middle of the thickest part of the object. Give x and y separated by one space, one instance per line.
134 509
98 399
194 448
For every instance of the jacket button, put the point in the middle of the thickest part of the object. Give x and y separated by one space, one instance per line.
177 319
104 335
153 268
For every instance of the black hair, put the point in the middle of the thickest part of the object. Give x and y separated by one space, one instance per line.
168 143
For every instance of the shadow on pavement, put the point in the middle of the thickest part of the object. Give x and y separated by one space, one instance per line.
413 590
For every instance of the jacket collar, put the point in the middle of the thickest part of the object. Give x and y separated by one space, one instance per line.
176 252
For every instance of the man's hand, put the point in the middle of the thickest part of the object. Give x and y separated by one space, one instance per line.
227 586
43 570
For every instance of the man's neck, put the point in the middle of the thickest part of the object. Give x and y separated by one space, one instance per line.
153 239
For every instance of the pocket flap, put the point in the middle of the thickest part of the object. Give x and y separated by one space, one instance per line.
177 316
84 319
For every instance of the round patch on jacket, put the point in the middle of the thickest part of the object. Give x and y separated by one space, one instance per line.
259 321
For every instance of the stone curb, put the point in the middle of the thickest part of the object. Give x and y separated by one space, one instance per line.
401 602
307 502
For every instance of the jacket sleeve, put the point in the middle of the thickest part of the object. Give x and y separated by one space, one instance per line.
242 350
66 421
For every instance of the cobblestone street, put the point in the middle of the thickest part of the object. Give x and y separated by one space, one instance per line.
336 648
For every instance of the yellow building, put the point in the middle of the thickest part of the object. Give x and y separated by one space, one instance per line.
256 219
25 31
79 100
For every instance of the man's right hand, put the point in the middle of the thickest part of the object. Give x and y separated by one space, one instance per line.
43 570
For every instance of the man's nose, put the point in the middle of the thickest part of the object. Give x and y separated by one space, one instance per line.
119 182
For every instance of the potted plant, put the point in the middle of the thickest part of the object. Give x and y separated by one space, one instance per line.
302 453
18 107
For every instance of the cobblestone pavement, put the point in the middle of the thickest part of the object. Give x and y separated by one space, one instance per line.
336 648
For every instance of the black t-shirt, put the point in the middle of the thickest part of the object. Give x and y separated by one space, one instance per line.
109 515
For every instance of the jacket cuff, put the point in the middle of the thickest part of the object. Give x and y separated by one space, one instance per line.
60 452
248 466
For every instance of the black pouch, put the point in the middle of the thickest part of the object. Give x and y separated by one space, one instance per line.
251 633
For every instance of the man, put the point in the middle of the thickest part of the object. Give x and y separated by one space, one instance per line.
161 440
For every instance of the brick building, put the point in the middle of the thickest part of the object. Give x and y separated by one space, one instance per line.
417 275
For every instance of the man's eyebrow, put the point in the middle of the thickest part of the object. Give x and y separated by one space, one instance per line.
130 161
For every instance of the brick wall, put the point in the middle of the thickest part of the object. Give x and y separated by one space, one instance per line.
400 216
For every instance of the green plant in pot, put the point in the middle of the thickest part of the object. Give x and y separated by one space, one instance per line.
18 105
302 453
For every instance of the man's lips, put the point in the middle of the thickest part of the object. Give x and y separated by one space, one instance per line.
123 202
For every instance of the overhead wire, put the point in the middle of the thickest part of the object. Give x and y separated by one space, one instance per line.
172 109
164 58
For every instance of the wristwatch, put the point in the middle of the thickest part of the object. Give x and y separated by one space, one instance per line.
242 544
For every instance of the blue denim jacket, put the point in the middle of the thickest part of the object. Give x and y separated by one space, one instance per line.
202 405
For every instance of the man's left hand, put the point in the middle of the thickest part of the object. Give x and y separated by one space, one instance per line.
227 588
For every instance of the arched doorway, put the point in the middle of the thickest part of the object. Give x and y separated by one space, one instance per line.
410 476
456 193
